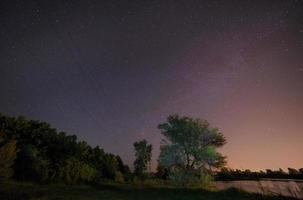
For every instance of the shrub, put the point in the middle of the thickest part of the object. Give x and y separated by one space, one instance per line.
119 178
190 178
74 171
7 156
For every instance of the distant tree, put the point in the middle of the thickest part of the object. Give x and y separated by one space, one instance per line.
280 173
124 169
262 174
190 146
269 173
97 159
110 166
293 173
143 153
225 174
247 174
7 156
230 174
162 172
73 171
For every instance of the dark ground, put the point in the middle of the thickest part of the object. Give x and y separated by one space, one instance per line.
33 191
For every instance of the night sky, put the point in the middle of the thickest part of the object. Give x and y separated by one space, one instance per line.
111 71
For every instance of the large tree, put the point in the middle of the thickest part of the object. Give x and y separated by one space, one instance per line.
190 145
143 153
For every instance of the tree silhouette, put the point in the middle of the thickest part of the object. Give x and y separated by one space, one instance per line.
190 143
143 153
47 155
189 147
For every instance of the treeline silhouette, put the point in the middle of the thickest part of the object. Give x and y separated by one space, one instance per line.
227 174
31 150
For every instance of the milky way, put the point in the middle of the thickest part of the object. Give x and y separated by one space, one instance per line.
111 71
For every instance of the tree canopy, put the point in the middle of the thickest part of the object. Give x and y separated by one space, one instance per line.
190 143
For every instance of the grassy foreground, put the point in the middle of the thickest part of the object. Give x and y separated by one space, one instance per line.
33 191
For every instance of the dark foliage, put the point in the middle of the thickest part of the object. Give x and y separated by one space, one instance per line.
231 174
7 156
189 151
143 153
44 154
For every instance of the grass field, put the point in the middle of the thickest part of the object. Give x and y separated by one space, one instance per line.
33 191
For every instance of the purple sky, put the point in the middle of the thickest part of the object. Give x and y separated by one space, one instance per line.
111 71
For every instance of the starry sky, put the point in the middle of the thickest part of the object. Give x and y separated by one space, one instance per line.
111 71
